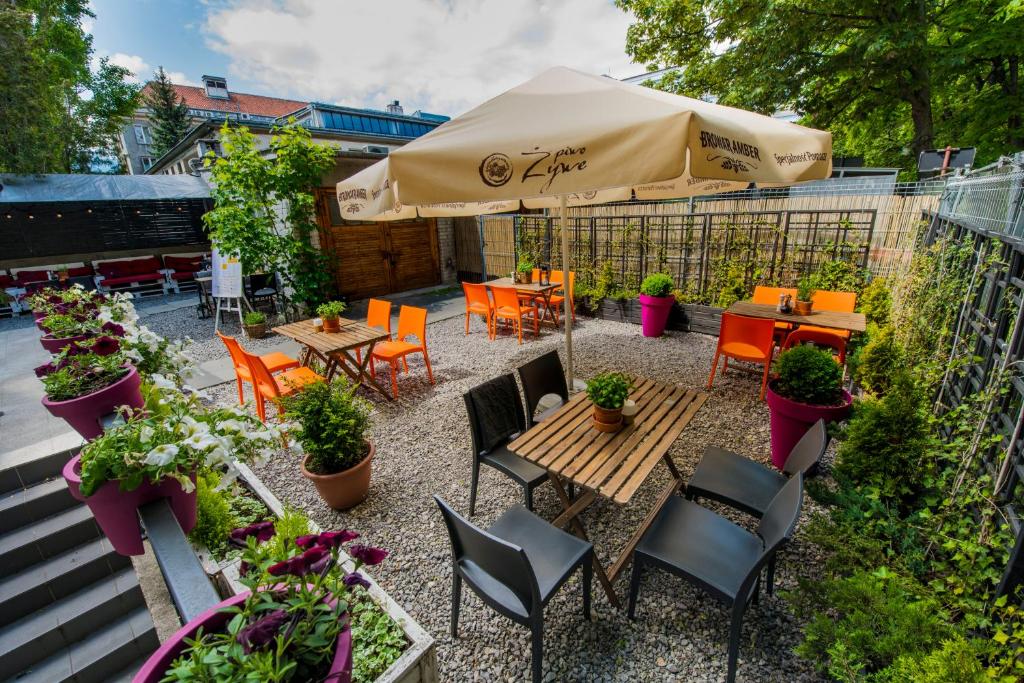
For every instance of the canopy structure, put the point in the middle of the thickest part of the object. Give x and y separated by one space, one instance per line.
18 189
566 138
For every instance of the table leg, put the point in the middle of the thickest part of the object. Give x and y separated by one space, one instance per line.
573 519
548 313
626 556
360 374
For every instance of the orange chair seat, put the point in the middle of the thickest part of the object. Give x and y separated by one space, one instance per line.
275 362
394 349
478 308
743 351
843 334
508 311
291 381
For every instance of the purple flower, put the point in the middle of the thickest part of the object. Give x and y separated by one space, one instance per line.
300 565
76 349
306 541
356 579
46 369
80 317
262 631
105 345
317 566
263 531
112 328
367 554
54 299
334 539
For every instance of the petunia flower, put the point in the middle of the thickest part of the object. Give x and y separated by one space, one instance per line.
76 349
306 541
162 455
334 539
262 631
112 328
105 345
263 531
367 554
45 369
356 579
313 560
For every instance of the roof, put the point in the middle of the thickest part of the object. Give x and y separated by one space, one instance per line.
195 97
87 187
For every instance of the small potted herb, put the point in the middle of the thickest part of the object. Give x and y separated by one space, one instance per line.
62 273
807 387
608 392
330 313
804 293
332 426
524 271
255 324
656 301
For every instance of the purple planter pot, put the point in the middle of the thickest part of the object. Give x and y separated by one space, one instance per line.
213 620
84 413
654 312
56 344
115 510
790 420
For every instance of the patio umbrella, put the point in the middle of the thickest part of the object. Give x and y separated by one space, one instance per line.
565 138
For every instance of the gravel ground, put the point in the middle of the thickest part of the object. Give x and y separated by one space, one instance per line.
205 346
423 448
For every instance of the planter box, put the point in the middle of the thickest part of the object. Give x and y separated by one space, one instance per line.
684 317
418 664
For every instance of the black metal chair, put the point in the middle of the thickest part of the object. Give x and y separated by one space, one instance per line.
746 485
515 566
541 377
261 290
711 552
495 418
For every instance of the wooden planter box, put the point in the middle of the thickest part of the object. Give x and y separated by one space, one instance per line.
418 664
684 317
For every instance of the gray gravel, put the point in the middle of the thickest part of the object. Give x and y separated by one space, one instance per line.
423 448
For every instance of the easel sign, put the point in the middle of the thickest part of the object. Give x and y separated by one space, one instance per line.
227 285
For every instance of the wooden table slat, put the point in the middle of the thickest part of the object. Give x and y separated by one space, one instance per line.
534 287
854 322
529 439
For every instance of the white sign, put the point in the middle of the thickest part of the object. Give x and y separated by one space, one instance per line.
227 275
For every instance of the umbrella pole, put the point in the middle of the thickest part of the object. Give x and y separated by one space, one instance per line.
566 284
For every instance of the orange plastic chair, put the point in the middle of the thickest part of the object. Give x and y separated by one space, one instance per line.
508 306
770 295
558 301
478 302
274 362
378 314
276 387
820 336
744 338
412 322
841 302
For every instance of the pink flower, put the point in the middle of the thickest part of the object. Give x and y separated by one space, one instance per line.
262 631
105 345
367 554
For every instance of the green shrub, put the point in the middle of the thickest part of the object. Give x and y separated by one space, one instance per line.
874 364
808 375
956 661
331 310
839 275
214 518
609 390
875 302
805 288
377 641
657 284
254 318
248 509
332 425
525 265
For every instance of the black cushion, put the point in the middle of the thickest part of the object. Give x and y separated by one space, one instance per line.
735 480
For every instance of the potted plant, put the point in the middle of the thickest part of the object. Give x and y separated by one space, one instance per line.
804 293
608 392
524 270
332 426
656 301
330 313
292 623
62 329
807 387
62 273
154 455
255 324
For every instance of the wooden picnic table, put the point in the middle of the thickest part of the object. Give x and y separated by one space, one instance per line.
613 466
854 322
335 349
531 289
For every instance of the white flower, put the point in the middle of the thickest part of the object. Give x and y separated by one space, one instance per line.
200 441
259 435
161 455
227 479
230 425
161 382
146 434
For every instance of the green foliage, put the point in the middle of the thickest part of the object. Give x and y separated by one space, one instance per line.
168 113
729 281
958 659
1006 659
254 318
805 288
838 275
332 425
82 375
657 284
875 363
524 265
214 517
377 641
808 375
331 310
875 302
609 390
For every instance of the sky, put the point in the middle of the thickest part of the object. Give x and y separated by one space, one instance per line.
441 56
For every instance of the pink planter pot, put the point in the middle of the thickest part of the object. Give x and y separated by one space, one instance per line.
84 413
56 344
654 312
115 510
790 420
214 619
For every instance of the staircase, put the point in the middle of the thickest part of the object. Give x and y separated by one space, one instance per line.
71 609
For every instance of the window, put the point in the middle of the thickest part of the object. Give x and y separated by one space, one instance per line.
147 163
142 135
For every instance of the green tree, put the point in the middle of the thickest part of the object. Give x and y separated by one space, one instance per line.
265 209
168 112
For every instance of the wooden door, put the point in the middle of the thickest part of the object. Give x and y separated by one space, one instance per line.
412 247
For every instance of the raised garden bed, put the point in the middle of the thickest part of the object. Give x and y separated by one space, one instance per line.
684 317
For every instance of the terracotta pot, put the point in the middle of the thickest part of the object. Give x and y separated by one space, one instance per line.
332 324
56 344
802 307
115 510
215 619
607 420
524 278
654 312
790 420
84 413
257 331
346 489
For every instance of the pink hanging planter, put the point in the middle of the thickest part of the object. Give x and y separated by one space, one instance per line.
790 420
115 510
654 312
84 413
214 619
56 344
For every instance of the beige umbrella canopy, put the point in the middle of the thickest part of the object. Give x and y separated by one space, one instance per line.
567 138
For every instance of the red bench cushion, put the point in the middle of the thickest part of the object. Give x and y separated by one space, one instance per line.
6 281
189 264
126 267
79 271
25 276
125 279
184 275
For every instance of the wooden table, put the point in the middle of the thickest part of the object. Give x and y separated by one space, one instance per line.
532 289
611 465
335 349
854 322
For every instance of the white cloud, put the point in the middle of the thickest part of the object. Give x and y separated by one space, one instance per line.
142 71
444 56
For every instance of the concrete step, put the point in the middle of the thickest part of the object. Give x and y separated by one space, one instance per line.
37 586
65 622
24 467
45 538
127 674
22 507
112 648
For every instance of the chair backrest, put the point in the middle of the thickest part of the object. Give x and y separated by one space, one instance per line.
819 337
378 314
495 413
808 450
770 295
758 332
236 351
841 302
260 374
542 376
476 294
782 513
505 297
505 562
412 321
